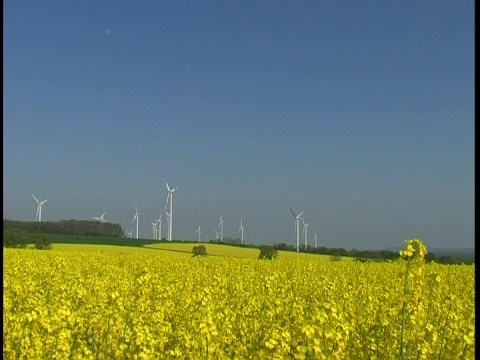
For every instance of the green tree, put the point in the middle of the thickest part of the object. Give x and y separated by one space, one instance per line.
268 252
42 242
199 250
335 257
14 238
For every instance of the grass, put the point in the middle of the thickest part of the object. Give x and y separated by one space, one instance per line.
106 248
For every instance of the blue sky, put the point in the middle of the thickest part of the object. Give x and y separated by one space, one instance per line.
360 114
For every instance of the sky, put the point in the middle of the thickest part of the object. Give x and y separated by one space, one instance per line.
359 114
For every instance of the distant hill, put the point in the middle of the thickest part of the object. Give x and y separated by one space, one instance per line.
448 255
440 250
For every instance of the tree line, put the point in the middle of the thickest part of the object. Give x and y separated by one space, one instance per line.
70 227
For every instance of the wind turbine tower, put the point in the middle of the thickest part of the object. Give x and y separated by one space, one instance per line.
137 215
315 237
305 227
199 232
154 229
297 227
170 213
38 217
220 224
240 230
159 221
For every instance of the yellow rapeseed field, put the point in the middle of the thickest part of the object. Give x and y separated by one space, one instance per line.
146 305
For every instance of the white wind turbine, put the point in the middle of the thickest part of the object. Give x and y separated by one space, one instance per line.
137 215
101 218
199 232
38 217
220 224
159 221
240 230
217 234
170 213
315 237
297 227
154 229
305 227
130 233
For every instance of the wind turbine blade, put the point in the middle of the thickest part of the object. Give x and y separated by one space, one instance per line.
168 187
38 202
133 219
293 213
298 216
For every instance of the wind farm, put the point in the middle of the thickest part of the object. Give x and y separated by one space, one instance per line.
217 233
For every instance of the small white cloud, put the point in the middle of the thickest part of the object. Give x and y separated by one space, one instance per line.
108 31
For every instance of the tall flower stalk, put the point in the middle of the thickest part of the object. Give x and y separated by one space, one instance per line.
414 255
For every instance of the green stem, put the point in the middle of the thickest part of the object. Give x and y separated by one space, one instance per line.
404 309
443 331
463 352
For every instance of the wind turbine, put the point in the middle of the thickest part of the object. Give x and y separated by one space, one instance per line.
220 224
170 213
101 218
199 233
315 237
154 229
130 233
39 208
297 227
240 230
137 215
217 234
305 227
159 221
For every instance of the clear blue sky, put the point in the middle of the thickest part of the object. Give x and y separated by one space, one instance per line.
360 114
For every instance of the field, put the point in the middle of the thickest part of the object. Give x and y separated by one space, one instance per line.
106 302
185 249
